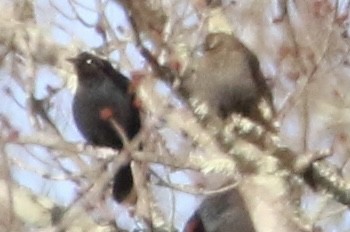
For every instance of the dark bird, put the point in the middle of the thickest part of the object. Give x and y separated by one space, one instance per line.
228 78
223 212
103 94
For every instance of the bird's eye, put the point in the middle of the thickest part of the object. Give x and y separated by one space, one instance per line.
89 61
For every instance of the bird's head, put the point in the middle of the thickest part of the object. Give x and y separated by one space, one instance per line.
88 65
220 41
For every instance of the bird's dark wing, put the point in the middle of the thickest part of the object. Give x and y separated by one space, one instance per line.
118 79
258 77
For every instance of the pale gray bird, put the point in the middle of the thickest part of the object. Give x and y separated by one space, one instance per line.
228 78
220 213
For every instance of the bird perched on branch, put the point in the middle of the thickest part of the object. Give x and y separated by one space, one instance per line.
222 212
103 97
227 78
